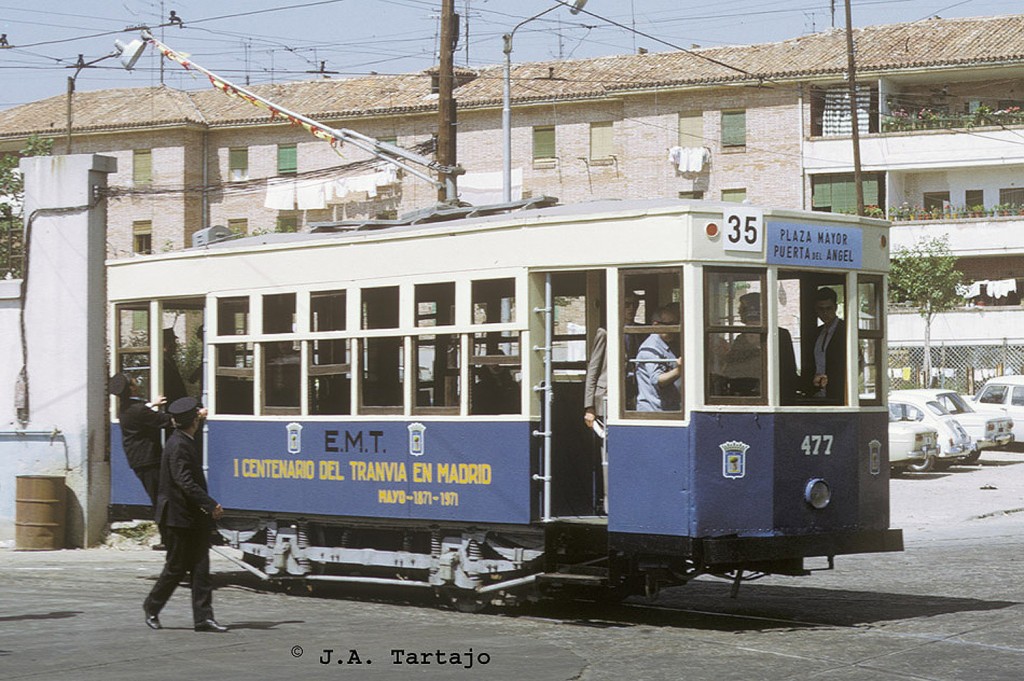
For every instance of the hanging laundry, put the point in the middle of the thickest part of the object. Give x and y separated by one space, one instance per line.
280 195
309 194
480 189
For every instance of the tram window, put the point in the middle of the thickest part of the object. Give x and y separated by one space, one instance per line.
811 307
569 345
437 373
234 378
183 324
494 301
327 311
382 375
281 378
435 304
133 344
279 313
736 337
330 377
380 307
870 317
652 341
232 316
496 374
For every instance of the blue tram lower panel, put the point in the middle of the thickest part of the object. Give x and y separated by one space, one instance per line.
745 475
467 472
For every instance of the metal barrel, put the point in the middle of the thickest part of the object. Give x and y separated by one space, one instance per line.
40 502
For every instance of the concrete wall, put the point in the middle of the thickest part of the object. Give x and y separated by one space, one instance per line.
64 431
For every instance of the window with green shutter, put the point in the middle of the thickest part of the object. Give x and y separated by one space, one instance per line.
734 128
836 192
601 140
238 164
691 129
287 223
544 143
287 159
734 195
142 166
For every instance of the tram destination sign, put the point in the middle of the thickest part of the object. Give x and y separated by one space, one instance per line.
813 245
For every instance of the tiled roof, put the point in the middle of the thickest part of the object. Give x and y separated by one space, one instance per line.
930 43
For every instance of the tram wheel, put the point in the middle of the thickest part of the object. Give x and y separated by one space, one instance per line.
462 600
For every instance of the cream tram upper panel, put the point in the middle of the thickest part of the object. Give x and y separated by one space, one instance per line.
593 235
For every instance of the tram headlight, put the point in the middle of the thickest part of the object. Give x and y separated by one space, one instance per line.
817 493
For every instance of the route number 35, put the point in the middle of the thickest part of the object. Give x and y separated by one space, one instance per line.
744 229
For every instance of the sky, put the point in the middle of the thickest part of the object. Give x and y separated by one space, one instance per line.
263 41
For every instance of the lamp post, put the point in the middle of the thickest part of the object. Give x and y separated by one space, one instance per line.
129 54
506 99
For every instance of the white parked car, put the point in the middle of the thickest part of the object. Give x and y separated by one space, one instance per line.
988 430
912 445
955 445
1003 395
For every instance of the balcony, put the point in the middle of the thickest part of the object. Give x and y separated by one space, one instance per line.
993 236
913 120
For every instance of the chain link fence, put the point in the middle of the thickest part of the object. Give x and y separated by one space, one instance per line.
963 368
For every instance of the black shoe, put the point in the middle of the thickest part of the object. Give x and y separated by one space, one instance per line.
159 547
153 622
210 625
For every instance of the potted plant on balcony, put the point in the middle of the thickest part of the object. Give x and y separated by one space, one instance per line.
977 211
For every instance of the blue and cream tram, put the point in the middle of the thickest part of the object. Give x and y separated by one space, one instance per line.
404 403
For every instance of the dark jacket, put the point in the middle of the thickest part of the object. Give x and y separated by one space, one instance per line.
141 429
183 500
835 363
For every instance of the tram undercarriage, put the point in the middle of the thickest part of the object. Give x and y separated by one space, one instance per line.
469 568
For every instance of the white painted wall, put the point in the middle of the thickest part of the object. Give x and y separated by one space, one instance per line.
65 332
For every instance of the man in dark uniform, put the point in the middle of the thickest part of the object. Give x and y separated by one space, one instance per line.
141 428
185 512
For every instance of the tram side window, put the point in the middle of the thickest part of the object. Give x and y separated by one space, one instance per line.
330 377
496 374
652 342
438 357
235 374
281 377
232 316
133 345
736 337
494 301
279 313
383 359
870 316
380 307
327 310
811 307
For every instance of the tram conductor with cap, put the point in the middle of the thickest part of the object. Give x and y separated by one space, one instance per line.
185 513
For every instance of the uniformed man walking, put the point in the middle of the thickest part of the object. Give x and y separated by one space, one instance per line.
185 513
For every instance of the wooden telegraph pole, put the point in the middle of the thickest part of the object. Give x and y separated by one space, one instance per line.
855 126
446 155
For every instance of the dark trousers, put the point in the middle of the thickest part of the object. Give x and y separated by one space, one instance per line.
149 476
188 552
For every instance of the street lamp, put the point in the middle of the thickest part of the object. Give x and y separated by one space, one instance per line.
129 54
506 100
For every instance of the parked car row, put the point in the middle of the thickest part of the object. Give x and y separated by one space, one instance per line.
935 429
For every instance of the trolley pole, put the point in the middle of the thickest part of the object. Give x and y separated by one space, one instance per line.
446 139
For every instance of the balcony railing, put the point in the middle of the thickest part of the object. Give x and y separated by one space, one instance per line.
906 213
909 120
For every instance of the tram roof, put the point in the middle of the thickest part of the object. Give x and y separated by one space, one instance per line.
540 209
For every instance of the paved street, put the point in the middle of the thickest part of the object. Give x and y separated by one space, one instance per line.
950 607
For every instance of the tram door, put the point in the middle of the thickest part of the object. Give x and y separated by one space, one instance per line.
579 303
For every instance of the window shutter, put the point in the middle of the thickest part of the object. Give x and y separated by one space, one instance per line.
287 159
544 142
601 140
734 128
691 129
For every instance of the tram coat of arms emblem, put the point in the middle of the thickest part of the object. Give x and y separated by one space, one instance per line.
734 458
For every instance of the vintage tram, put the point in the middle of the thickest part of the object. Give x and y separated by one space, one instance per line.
403 403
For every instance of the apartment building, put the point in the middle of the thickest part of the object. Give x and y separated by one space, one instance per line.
941 123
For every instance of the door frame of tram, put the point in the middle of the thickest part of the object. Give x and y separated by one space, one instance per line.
577 464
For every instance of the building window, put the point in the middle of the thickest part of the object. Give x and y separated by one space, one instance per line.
238 164
287 223
238 225
544 143
694 195
142 236
933 201
974 198
837 193
734 129
287 159
734 195
142 166
691 129
1012 196
601 140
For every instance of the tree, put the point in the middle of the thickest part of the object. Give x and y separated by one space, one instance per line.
926 278
12 189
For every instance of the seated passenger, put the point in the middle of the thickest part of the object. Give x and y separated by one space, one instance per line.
659 368
743 361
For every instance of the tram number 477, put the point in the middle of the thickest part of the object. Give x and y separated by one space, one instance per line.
813 445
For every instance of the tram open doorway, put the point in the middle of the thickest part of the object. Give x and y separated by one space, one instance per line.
577 488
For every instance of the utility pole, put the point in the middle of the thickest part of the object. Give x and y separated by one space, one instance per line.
446 138
852 71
